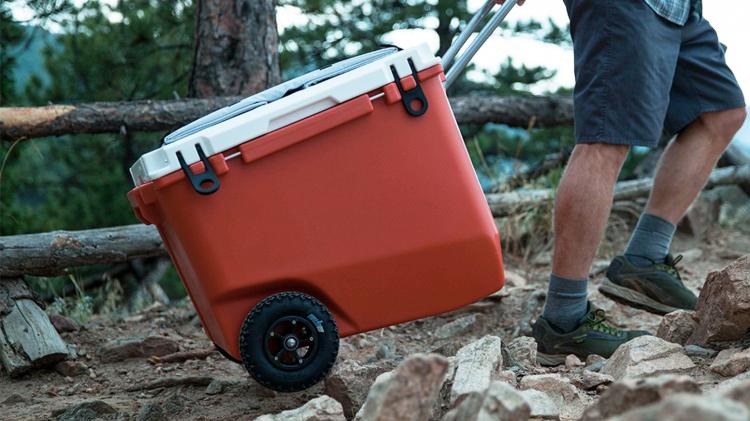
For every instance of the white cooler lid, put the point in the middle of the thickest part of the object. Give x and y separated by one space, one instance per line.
279 106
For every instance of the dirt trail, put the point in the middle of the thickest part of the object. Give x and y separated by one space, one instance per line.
45 394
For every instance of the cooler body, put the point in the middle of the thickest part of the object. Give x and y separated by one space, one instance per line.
371 209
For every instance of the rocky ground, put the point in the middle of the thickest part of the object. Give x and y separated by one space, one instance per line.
474 363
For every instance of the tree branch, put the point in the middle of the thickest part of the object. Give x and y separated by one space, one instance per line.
148 116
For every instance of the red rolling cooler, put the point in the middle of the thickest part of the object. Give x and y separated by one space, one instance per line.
335 203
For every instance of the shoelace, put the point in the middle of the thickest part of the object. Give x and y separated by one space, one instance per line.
598 321
670 265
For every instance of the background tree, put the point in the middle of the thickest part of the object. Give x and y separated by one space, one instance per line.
236 48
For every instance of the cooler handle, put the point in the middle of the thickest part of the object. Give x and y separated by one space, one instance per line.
454 70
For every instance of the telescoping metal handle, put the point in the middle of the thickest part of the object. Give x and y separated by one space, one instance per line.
455 69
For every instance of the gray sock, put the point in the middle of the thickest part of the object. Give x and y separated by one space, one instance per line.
566 302
650 241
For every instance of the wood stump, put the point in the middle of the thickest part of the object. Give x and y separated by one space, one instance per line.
27 337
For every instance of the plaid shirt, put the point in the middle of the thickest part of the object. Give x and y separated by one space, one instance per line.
676 11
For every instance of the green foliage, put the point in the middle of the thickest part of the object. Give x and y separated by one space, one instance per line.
129 50
11 35
79 309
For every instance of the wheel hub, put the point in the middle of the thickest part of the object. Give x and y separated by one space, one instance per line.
291 342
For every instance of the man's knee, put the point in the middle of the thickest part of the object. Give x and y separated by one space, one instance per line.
601 156
723 125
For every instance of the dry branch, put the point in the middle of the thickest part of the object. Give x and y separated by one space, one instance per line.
173 382
178 357
51 253
505 204
145 116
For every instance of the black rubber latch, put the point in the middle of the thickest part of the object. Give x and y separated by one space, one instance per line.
204 183
412 96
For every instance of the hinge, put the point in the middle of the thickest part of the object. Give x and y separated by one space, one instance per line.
412 96
204 183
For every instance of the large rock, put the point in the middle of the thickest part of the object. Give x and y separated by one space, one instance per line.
731 362
322 408
684 407
122 349
723 309
647 356
542 405
499 402
523 352
676 327
632 393
456 327
737 388
349 382
410 392
558 388
591 379
476 365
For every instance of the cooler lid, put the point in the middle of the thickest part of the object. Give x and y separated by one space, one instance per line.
279 106
277 92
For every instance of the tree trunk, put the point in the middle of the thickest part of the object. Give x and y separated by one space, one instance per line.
236 48
149 116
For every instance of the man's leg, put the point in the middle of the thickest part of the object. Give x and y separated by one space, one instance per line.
688 161
646 276
570 324
680 176
582 207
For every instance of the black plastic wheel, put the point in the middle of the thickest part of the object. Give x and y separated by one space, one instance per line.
289 342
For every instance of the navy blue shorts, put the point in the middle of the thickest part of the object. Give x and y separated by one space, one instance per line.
639 75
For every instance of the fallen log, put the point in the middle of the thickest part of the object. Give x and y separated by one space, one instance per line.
50 253
147 116
53 252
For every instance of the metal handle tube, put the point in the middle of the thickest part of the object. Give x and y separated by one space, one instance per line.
484 34
450 55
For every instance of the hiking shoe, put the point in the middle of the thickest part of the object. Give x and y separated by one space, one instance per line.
657 288
592 336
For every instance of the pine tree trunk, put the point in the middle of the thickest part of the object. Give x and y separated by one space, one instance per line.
236 48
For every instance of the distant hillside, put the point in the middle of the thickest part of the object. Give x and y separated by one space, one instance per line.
30 61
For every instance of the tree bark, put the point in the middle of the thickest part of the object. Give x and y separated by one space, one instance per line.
516 111
148 116
104 117
236 48
51 253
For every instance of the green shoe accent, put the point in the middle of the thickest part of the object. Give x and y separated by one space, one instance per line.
657 288
594 335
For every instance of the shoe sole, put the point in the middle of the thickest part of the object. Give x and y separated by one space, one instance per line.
550 360
634 298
